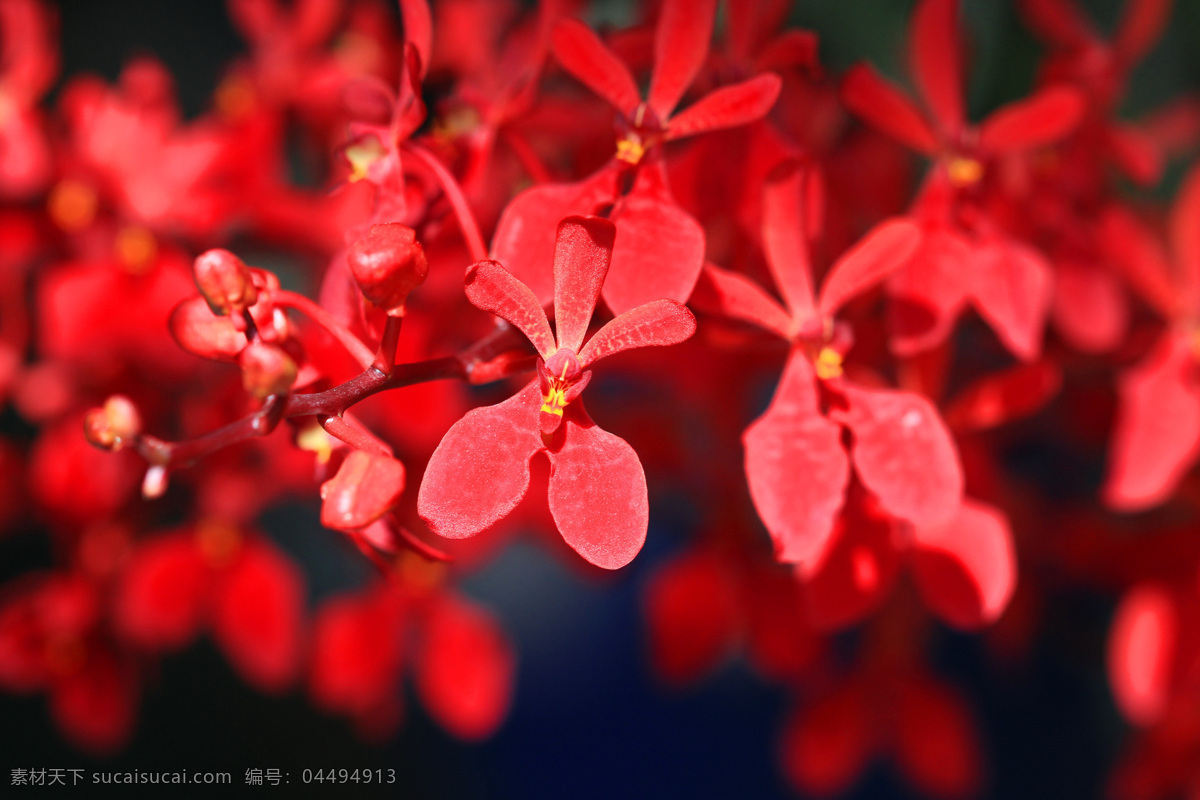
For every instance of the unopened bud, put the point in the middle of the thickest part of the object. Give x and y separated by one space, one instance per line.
388 263
154 485
266 369
198 331
113 425
365 488
225 282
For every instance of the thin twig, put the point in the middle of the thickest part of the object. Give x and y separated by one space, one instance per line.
454 193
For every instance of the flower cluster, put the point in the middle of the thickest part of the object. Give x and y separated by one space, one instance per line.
855 314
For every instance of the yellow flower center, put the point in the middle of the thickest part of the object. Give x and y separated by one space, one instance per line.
362 155
964 171
135 248
555 400
72 205
829 364
630 149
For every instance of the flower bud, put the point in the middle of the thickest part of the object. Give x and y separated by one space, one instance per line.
266 369
113 425
365 488
388 263
154 484
225 282
198 331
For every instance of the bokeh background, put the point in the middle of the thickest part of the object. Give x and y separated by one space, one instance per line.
589 718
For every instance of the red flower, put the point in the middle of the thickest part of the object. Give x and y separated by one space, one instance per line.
705 604
250 594
1157 438
922 723
966 255
384 120
480 471
462 662
30 63
661 250
965 568
52 639
1078 53
796 464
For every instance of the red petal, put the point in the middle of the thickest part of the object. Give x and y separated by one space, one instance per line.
31 47
727 107
786 212
356 655
966 568
480 470
74 481
1137 153
1142 23
882 251
526 233
828 744
692 615
1043 119
491 287
23 662
1157 436
937 61
1004 396
465 670
95 706
583 250
1011 286
1142 260
1185 237
314 21
794 49
796 467
583 55
859 572
366 487
1060 22
659 323
202 333
258 616
418 29
162 596
747 24
598 493
937 747
1141 651
904 454
729 294
880 103
1090 307
780 642
369 99
680 46
928 295
659 250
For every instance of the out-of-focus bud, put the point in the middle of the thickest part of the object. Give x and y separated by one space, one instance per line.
388 263
154 485
266 369
113 425
225 282
365 488
198 331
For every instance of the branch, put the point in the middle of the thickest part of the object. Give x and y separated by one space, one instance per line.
476 362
